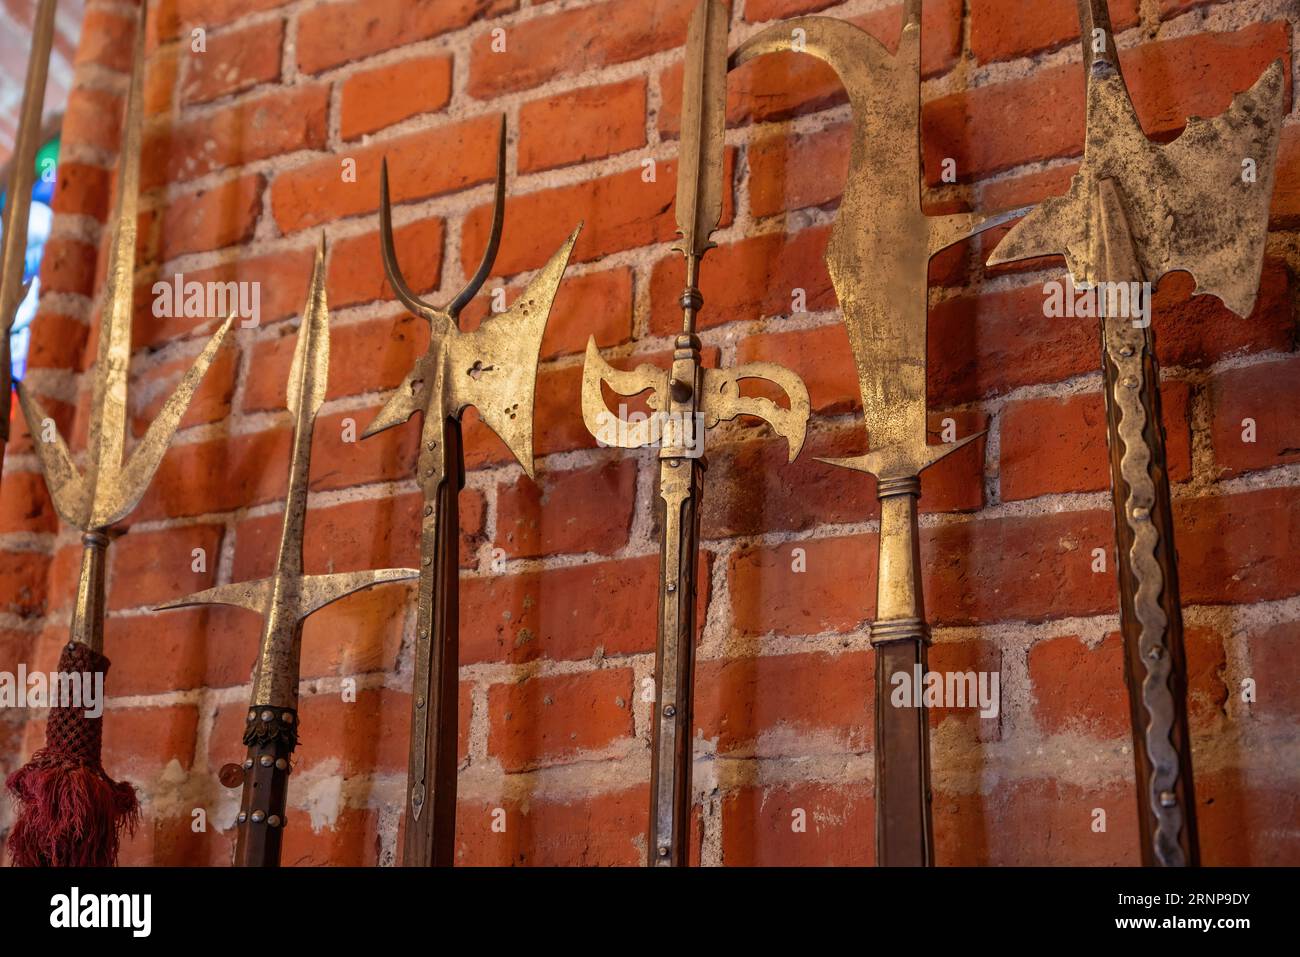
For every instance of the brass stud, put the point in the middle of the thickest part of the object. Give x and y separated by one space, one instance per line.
265 760
258 817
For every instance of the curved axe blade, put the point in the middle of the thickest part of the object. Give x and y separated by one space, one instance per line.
721 400
620 431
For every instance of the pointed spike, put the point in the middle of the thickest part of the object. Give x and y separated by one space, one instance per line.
66 485
317 591
311 355
494 237
704 107
251 595
437 319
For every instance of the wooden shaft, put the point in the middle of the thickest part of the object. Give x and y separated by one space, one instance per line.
431 781
271 735
904 835
1151 621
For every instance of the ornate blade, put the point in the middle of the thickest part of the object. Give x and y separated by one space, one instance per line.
13 238
619 431
494 368
1190 203
704 101
721 401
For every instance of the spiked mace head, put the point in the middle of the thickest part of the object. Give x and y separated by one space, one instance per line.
111 484
289 596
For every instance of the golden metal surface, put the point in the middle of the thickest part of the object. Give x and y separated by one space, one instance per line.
1135 211
111 483
18 202
494 369
286 598
686 401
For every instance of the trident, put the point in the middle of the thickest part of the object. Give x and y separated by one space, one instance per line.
494 369
688 400
284 601
1135 211
878 255
94 500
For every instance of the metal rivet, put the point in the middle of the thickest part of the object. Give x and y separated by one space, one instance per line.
267 715
673 463
1168 799
288 717
663 850
1130 382
265 760
427 561
1156 653
1126 351
431 446
248 763
273 820
281 764
669 710
428 510
258 817
419 702
672 586
252 715
1141 514
242 817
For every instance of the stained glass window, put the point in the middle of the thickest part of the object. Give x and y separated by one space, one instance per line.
38 232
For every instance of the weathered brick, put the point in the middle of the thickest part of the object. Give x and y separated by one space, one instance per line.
356 272
351 839
26 505
1265 395
140 742
23 583
211 401
1058 445
235 60
604 829
213 218
553 719
1238 548
580 510
1274 667
802 825
1001 30
152 567
336 33
1242 823
317 193
374 99
583 125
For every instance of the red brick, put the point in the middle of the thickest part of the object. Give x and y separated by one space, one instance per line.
583 125
93 118
199 478
211 12
551 720
356 271
1274 666
996 127
282 279
1001 30
315 193
1058 445
754 489
839 820
224 215
1242 823
567 613
1036 822
745 280
786 705
1238 548
160 81
580 510
959 657
619 211
374 99
595 304
211 401
350 840
284 121
820 356
1265 393
337 463
760 11
57 342
234 60
154 653
81 190
106 40
68 266
336 33
26 505
152 567
1078 688
543 48
598 830
140 742
1285 211
359 634
23 583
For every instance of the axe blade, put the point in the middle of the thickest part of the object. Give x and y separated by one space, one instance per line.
722 400
607 428
494 368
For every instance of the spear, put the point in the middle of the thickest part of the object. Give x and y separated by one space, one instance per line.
878 257
494 369
688 400
13 232
72 813
284 601
1135 211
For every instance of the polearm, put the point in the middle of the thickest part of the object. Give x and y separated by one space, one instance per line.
284 601
72 813
494 369
18 204
1135 211
689 400
878 257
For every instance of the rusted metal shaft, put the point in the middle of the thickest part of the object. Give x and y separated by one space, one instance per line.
431 785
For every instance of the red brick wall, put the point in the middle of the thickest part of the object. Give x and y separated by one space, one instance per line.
244 145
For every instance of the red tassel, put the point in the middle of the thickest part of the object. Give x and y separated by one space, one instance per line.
71 813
